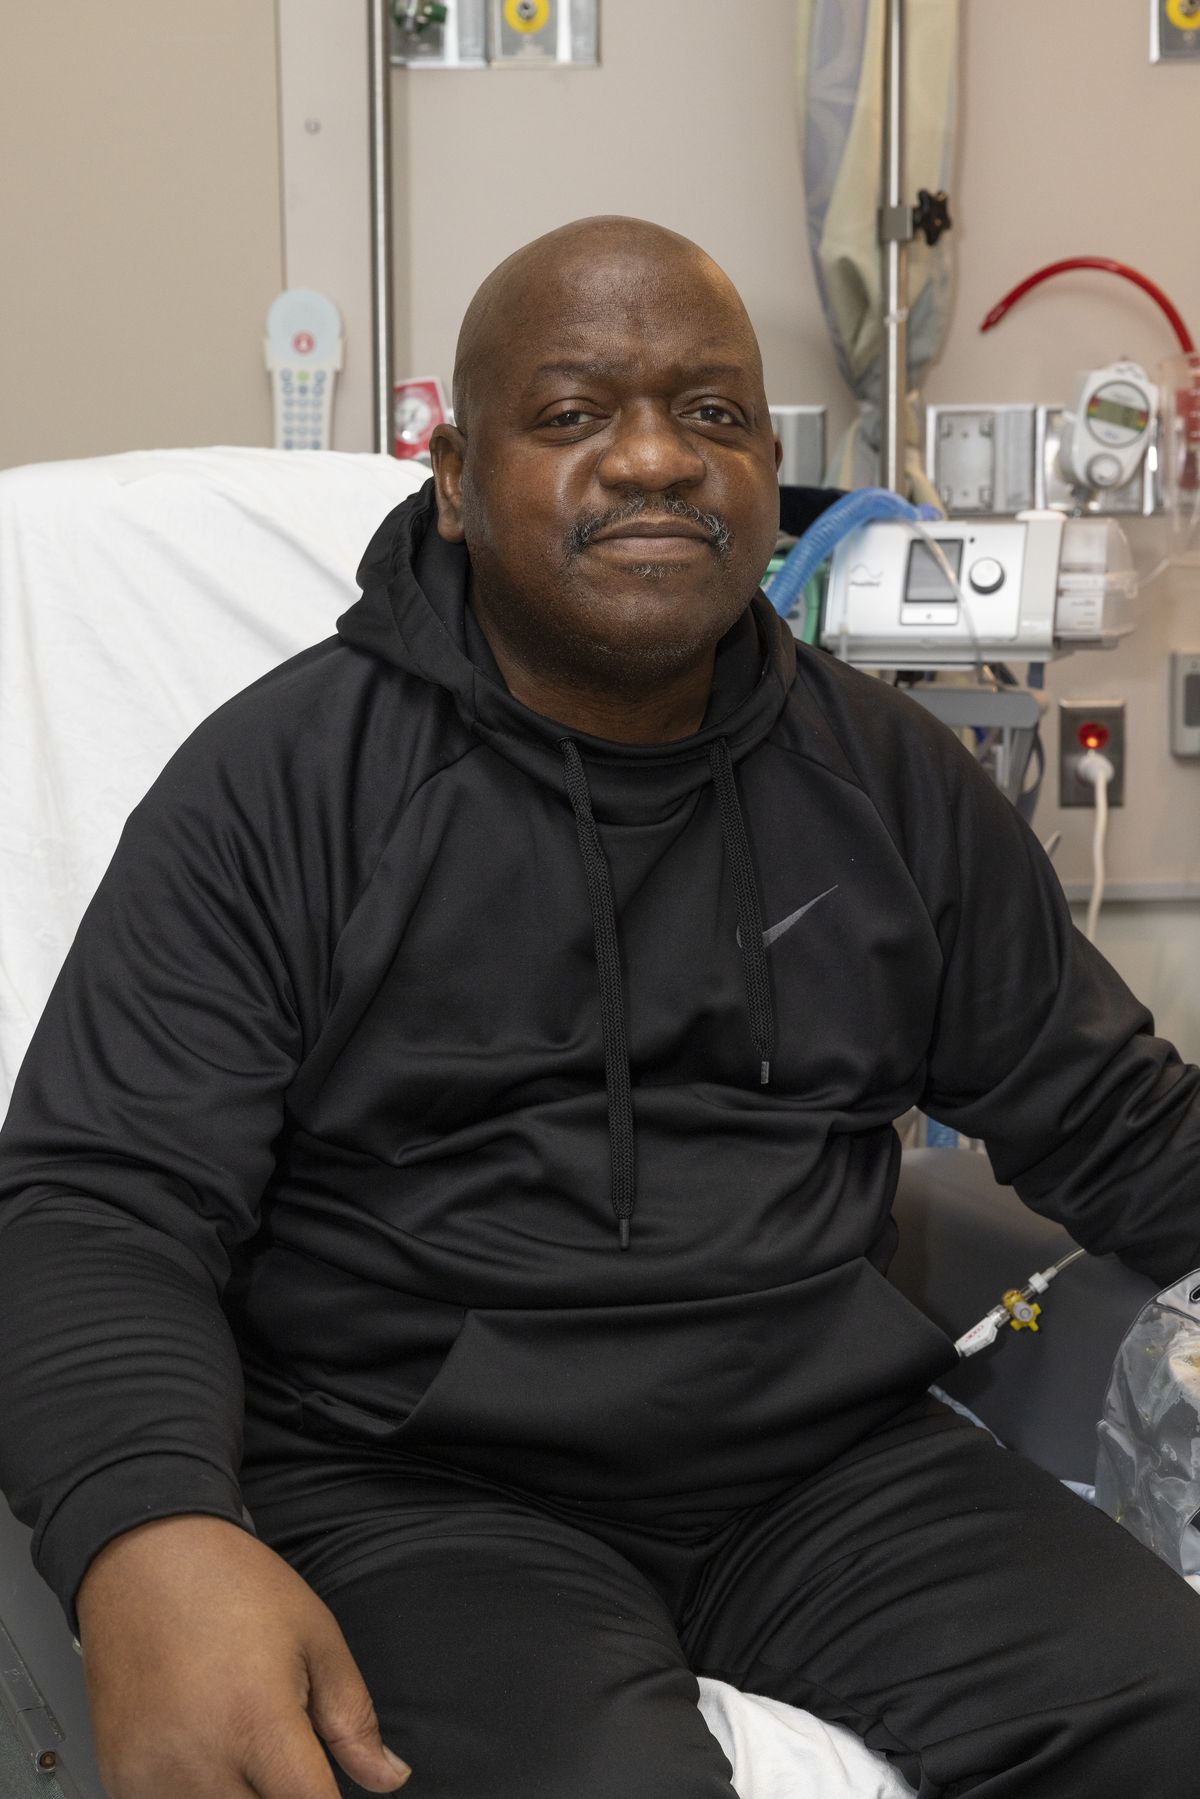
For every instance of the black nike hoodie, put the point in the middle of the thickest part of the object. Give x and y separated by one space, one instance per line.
521 1102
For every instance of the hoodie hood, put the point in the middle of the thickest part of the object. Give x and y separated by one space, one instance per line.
415 614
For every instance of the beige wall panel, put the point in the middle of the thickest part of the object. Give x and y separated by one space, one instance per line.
140 222
325 138
690 121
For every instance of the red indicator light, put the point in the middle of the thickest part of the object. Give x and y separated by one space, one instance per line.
1093 736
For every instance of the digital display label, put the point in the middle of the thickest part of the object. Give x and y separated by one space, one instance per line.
1111 412
926 581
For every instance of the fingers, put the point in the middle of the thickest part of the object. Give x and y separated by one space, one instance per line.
254 1757
210 1663
285 1762
343 1715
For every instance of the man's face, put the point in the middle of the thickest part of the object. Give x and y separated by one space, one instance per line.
616 488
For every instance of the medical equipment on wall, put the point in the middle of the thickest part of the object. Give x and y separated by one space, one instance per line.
461 34
418 408
844 516
1124 445
952 593
1108 427
304 353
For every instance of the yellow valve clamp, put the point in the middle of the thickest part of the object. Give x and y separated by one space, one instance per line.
1023 1313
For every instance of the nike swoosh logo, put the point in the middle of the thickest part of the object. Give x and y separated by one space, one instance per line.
785 924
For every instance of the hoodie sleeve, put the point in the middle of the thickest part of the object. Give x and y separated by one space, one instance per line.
1041 1050
139 1141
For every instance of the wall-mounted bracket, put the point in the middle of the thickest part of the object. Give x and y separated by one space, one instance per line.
1004 459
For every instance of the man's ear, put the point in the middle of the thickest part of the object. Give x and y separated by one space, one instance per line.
447 447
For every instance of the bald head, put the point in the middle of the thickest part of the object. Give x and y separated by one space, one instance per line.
612 471
565 270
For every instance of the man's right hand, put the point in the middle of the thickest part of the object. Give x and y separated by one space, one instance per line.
212 1668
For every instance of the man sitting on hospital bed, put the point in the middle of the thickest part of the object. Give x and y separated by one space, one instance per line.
486 1043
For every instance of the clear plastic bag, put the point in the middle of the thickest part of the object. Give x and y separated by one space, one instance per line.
1148 1463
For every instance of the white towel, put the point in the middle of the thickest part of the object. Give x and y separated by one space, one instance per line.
777 1752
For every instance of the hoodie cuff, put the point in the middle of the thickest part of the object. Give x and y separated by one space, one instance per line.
125 1495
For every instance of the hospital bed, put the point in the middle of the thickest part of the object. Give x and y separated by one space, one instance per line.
136 593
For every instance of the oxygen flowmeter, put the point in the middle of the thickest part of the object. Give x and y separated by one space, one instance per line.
1108 427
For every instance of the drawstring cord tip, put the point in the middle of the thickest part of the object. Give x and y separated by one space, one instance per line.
764 1073
623 1232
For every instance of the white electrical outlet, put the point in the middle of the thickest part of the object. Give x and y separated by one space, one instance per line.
1085 725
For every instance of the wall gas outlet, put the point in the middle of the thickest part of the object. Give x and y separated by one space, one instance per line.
1175 31
426 35
545 32
1084 725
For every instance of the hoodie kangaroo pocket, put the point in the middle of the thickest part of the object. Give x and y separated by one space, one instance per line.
371 1397
652 1400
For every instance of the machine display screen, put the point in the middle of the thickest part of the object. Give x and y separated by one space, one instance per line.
926 582
1111 412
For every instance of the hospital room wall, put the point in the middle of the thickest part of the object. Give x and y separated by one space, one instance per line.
140 225
1066 133
142 242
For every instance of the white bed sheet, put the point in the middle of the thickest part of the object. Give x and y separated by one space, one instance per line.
138 592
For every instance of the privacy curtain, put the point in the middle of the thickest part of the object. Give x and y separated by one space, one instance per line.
839 85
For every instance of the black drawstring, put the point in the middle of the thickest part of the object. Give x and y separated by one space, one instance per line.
750 928
612 1003
608 960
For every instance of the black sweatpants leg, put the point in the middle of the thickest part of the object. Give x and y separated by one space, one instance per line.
510 1655
954 1605
966 1614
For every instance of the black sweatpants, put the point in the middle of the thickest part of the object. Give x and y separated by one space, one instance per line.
964 1613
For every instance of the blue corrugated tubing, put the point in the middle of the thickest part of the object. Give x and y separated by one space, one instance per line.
823 536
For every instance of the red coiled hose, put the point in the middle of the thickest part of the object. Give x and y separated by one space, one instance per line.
1110 267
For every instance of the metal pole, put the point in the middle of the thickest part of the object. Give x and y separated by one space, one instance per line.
379 34
895 235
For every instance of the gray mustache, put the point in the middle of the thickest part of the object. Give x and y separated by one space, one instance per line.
712 524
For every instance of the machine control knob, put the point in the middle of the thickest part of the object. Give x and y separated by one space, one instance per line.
1104 471
987 575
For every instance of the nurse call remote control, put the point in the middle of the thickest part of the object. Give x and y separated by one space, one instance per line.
304 354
